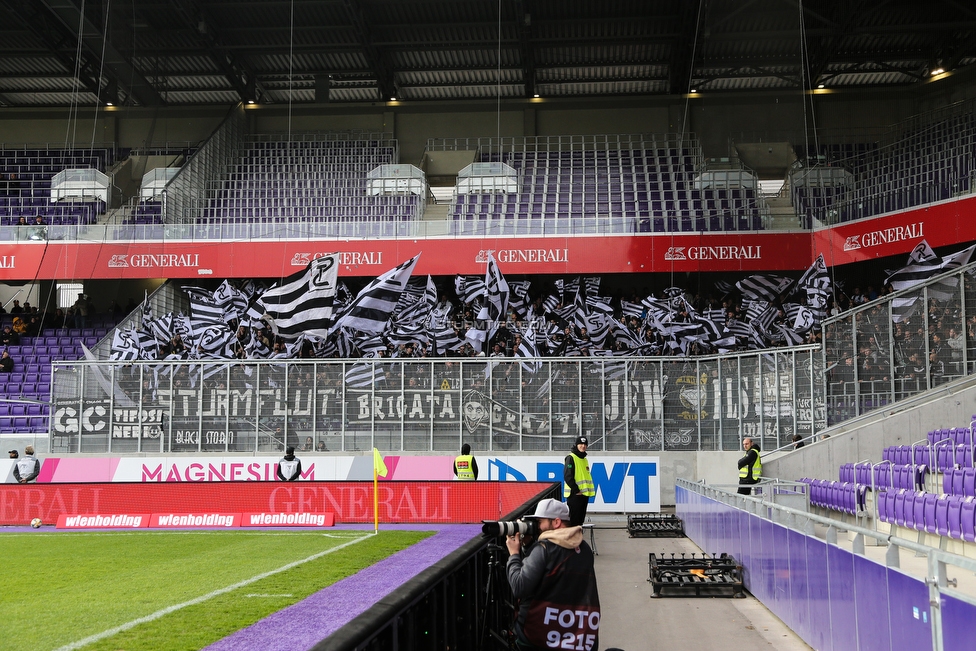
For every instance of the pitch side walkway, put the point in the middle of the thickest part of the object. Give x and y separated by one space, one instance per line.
631 619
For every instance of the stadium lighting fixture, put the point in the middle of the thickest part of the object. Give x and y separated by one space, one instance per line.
937 71
250 101
820 85
108 104
694 90
536 96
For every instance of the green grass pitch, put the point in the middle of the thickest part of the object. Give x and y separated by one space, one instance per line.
61 588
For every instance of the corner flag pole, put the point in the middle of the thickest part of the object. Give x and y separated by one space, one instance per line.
379 470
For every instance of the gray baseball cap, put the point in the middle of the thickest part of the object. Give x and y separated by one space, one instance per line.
549 509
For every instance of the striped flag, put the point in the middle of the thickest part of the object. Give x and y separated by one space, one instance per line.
231 300
304 301
765 286
550 303
923 263
469 288
496 297
903 308
203 306
125 345
799 317
591 285
365 374
599 304
631 309
527 352
372 307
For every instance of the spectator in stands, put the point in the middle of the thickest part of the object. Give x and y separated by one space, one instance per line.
19 326
34 326
465 465
82 309
289 468
6 363
8 337
798 442
321 447
309 444
554 573
16 309
13 454
750 467
578 485
38 230
27 467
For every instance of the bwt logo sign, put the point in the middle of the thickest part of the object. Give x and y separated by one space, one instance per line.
609 480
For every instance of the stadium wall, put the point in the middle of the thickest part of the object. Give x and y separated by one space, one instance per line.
832 598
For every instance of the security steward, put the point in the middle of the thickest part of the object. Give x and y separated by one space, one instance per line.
750 467
465 465
578 485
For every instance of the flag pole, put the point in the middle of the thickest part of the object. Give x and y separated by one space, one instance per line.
376 500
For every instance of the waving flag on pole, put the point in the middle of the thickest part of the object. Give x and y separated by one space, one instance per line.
304 301
379 470
371 309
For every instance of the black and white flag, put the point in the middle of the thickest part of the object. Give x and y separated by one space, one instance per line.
371 309
304 301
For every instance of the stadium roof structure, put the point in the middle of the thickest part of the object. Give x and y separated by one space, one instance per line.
195 52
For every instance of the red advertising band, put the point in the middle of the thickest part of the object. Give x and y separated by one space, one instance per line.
348 501
941 224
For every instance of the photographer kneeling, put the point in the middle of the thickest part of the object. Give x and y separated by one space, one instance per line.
555 585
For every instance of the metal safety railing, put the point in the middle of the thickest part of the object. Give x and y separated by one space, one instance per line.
419 404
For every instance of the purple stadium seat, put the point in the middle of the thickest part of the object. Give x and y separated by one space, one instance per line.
931 501
953 515
942 516
900 497
967 519
918 512
957 482
968 481
882 498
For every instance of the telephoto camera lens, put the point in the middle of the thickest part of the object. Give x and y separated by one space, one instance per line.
509 528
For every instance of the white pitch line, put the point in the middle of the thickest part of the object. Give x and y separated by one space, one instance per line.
210 595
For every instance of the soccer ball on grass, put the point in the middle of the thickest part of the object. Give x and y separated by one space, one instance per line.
36 523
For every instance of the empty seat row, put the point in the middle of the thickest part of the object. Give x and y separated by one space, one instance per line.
959 481
953 516
885 475
958 435
837 496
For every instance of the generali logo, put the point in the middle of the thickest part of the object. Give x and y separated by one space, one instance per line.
7 261
351 258
154 260
713 253
523 255
884 236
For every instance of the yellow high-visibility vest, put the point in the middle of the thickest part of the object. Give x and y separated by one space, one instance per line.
463 466
756 469
581 475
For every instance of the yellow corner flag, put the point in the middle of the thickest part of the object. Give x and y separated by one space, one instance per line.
378 466
379 470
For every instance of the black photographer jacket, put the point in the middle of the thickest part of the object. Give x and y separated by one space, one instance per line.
558 602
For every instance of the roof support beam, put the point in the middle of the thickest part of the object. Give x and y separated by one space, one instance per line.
94 42
523 14
385 82
241 77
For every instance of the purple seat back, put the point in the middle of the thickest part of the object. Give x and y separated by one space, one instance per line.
967 519
969 481
900 497
947 476
931 500
918 512
953 514
957 483
942 516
